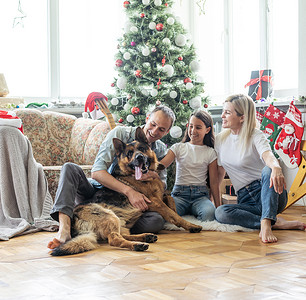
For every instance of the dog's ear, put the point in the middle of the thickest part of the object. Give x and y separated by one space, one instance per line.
119 146
140 136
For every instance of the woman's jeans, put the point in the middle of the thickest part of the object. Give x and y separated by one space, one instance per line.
193 200
256 202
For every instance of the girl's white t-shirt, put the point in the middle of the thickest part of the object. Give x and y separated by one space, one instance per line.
242 168
192 163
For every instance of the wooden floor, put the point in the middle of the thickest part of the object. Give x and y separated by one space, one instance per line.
207 265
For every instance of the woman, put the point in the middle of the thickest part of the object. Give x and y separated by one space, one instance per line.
244 153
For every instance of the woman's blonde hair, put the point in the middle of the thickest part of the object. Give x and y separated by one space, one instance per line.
244 106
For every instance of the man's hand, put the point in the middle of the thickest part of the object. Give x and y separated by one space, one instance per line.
138 200
277 180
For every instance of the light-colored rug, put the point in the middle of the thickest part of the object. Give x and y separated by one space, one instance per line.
209 225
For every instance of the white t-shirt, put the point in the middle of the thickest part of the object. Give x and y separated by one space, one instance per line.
192 163
242 168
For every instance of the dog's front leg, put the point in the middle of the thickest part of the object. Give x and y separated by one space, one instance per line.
172 217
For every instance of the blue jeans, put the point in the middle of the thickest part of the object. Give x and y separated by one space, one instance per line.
256 201
193 200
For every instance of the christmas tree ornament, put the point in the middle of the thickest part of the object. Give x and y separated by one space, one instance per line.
180 40
271 124
195 102
176 132
189 85
185 102
166 41
154 92
119 63
187 79
180 58
91 105
145 92
133 44
127 107
145 2
129 96
123 44
164 61
194 66
120 120
173 94
153 49
205 105
138 73
126 55
166 4
126 4
121 83
287 144
130 118
145 51
158 102
169 70
112 84
158 83
170 21
142 15
134 29
152 25
159 27
157 2
135 110
114 101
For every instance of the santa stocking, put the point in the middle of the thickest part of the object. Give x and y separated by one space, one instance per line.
9 118
287 144
270 125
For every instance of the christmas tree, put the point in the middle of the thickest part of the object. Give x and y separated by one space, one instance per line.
156 64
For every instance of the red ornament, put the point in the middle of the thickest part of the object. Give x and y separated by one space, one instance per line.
166 4
138 73
158 84
187 79
142 15
205 105
185 101
133 44
126 4
159 27
113 84
135 110
180 58
164 60
120 120
119 62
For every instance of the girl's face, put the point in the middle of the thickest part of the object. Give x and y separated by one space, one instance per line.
230 119
197 131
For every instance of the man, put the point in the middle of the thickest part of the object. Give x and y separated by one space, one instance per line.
74 188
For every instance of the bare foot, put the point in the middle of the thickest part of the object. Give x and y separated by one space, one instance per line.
284 224
60 239
266 234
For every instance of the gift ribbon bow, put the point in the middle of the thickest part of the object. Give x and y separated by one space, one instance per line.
259 80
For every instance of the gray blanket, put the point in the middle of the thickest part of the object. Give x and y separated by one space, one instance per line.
25 202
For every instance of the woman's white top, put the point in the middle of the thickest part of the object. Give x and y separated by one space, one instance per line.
242 168
192 163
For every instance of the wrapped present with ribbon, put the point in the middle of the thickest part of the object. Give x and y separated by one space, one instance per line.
260 85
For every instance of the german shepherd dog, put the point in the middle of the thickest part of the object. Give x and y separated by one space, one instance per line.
112 217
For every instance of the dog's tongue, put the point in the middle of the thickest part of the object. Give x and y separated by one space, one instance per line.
138 173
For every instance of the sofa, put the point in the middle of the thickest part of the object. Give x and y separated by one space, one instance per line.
58 138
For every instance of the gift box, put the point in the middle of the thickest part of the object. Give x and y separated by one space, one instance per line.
260 85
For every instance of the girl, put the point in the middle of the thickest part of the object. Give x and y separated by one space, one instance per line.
195 156
244 153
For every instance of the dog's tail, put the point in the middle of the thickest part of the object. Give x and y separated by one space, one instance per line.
81 243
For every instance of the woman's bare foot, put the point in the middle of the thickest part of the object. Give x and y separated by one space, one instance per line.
266 234
287 225
63 234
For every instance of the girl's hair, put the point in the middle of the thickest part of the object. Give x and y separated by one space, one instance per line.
205 117
244 106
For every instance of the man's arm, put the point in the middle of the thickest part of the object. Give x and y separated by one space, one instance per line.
137 199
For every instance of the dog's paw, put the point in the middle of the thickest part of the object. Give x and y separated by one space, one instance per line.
195 229
140 247
151 238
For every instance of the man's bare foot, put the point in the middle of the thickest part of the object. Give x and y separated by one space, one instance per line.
266 234
287 225
63 234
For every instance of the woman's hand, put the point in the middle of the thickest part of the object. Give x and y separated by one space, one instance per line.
277 180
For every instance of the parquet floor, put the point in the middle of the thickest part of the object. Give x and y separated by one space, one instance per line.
208 265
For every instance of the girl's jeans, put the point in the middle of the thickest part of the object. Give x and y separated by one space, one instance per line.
193 200
256 201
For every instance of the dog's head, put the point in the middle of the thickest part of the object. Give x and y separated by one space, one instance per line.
136 157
